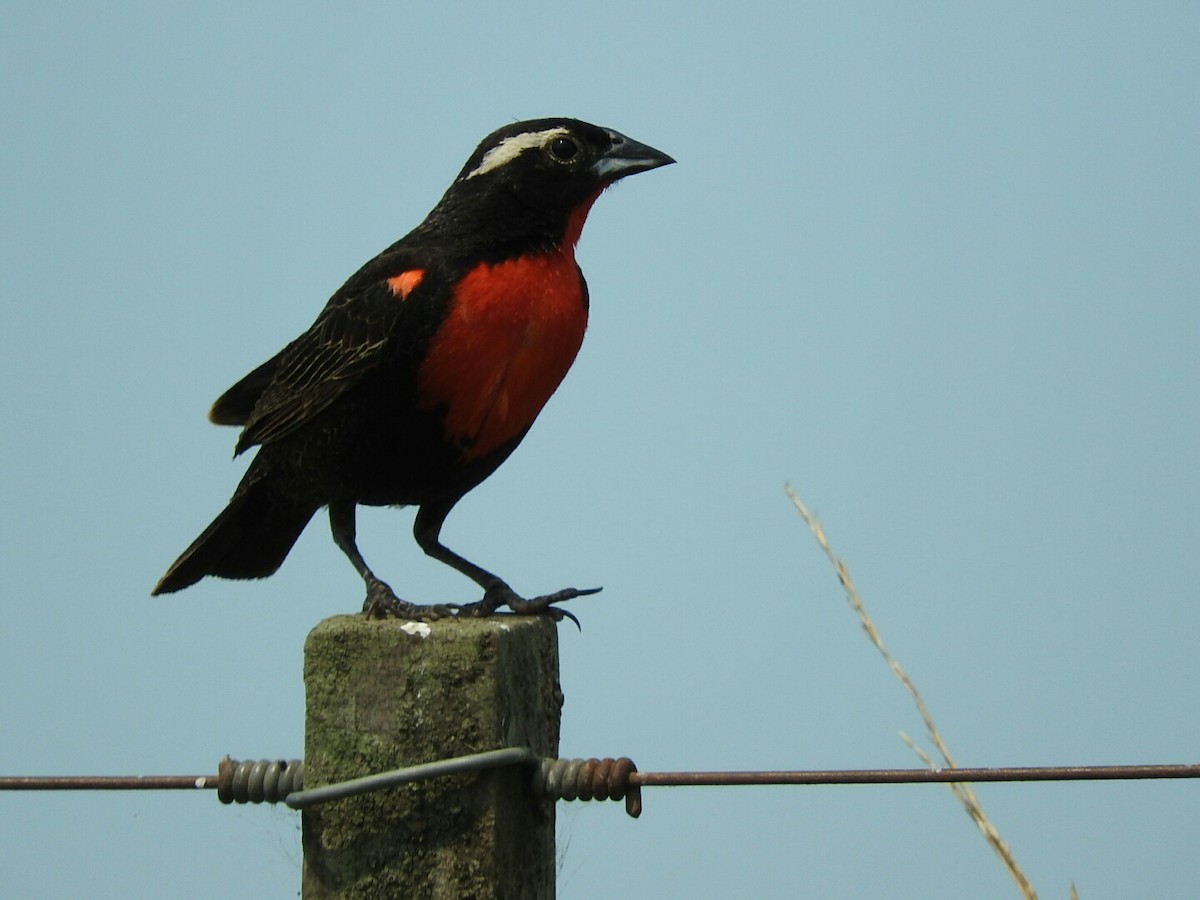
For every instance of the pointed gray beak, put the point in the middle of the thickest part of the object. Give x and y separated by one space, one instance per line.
627 157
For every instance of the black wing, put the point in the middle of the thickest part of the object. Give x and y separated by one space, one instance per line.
346 341
235 405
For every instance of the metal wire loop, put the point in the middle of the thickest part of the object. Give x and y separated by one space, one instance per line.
589 779
259 781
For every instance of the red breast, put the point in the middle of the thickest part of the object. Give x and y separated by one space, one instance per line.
510 336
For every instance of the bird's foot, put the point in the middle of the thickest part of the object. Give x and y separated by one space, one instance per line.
497 597
381 602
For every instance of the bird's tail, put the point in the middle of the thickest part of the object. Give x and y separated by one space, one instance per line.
249 539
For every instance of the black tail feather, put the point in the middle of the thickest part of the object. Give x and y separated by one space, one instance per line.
249 539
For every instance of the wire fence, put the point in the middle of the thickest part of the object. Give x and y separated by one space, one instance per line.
282 781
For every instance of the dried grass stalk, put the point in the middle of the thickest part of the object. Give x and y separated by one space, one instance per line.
960 790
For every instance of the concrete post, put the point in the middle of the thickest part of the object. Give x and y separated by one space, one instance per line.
386 694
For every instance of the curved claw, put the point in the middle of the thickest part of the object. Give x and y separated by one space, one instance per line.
554 612
496 597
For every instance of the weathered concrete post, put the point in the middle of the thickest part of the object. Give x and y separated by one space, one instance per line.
386 694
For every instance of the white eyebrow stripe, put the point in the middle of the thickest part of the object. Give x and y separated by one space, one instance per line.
512 147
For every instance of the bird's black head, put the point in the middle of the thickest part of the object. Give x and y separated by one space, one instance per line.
527 180
559 152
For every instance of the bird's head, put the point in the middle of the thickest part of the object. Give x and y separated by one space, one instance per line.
542 176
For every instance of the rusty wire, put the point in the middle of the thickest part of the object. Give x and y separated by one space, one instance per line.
107 782
250 781
917 776
275 781
589 779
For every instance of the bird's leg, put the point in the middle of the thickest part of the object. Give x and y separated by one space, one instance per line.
381 600
496 592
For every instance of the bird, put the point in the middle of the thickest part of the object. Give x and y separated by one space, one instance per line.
424 371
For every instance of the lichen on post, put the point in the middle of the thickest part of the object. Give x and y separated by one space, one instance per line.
386 694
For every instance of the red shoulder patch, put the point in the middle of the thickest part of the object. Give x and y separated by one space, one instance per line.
510 336
402 285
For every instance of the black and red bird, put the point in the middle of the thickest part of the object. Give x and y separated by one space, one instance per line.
426 369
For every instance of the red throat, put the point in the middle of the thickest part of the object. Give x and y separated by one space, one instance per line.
577 217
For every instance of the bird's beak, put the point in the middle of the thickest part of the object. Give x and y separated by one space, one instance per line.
627 156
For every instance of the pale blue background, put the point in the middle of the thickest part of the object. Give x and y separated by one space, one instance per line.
935 264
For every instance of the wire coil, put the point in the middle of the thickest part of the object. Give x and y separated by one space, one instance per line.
589 779
259 780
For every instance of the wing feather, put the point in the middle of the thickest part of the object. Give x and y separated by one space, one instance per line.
348 340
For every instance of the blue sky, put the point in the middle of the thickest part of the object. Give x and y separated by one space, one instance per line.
935 265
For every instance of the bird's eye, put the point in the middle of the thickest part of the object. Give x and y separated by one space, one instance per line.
563 149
